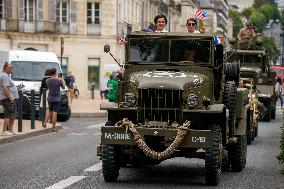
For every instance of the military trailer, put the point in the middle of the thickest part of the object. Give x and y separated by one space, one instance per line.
254 64
256 108
172 103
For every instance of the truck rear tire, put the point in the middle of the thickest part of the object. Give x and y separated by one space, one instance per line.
229 99
213 158
250 133
110 163
267 115
237 154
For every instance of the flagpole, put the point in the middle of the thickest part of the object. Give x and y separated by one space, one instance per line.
61 51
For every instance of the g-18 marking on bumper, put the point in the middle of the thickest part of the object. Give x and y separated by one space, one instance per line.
198 139
117 136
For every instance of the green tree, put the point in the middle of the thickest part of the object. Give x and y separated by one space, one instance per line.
247 12
258 19
270 47
237 22
258 3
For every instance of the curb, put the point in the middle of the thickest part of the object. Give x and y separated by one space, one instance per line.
27 135
88 114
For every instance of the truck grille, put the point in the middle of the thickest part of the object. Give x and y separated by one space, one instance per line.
159 105
247 74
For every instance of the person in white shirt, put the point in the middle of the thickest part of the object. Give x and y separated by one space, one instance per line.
191 25
160 22
279 91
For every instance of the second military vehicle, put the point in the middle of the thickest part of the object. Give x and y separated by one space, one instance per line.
174 101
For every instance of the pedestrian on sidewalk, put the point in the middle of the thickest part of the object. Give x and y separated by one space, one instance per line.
112 87
8 99
70 80
47 75
279 91
54 97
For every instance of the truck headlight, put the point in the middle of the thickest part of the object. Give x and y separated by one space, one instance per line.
63 93
260 81
191 101
129 99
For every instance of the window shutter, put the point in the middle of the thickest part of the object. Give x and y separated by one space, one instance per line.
21 9
73 17
40 23
9 6
51 10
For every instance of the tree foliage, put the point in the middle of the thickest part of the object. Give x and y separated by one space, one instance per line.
270 47
261 14
237 22
258 3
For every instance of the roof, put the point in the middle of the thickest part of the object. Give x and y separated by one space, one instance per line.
35 56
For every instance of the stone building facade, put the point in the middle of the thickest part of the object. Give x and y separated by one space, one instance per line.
85 25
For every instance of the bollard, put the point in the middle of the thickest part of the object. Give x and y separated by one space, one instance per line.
43 104
32 109
93 90
20 111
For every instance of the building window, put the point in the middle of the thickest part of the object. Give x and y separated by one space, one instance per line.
29 10
1 8
93 73
61 11
93 13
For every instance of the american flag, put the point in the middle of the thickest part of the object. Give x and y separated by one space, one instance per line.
218 40
122 39
200 14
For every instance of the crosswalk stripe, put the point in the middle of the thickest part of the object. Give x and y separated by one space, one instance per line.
66 182
97 134
94 126
79 134
95 167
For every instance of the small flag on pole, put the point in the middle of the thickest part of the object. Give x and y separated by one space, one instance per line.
218 40
122 39
62 46
200 14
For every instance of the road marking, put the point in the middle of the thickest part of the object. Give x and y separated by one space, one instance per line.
95 167
66 182
93 126
97 134
78 134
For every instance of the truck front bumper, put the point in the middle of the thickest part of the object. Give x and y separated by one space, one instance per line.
113 135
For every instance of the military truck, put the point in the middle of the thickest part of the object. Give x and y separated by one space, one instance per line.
172 104
254 64
256 108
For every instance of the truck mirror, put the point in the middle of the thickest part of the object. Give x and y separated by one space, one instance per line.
106 48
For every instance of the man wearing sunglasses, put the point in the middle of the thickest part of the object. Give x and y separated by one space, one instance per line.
8 99
191 25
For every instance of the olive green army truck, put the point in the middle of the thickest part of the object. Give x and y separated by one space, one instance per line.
174 101
254 64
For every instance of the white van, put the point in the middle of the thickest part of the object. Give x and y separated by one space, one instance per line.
29 68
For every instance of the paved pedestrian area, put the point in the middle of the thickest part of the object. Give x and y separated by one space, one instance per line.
81 108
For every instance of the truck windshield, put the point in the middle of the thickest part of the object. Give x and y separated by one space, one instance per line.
148 50
31 71
169 50
250 59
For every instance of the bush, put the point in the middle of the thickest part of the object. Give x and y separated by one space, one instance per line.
281 155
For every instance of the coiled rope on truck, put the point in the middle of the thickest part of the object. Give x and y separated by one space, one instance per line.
139 140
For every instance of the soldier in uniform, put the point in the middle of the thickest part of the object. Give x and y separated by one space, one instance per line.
245 36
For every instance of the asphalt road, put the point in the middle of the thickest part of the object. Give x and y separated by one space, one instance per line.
67 159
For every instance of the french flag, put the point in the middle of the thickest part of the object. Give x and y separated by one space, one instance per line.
218 40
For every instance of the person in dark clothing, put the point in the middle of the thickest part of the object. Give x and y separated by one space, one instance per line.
54 97
47 75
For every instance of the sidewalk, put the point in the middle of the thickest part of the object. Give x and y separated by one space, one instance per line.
80 108
87 108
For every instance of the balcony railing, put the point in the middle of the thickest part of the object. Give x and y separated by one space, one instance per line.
16 25
94 29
